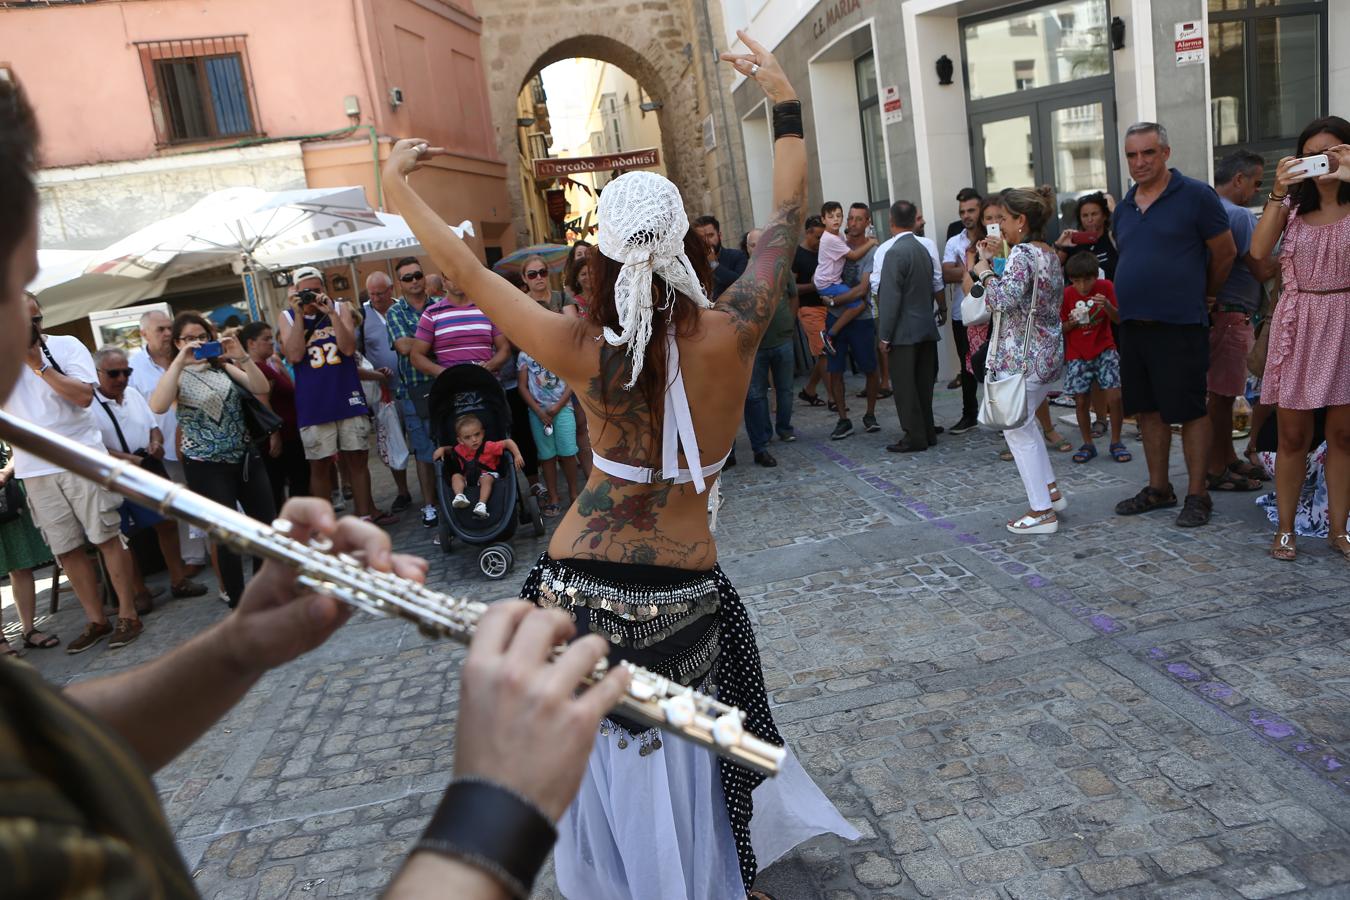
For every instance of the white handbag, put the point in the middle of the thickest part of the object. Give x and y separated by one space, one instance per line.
1004 406
974 311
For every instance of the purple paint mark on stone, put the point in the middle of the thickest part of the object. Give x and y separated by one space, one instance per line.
1105 624
1017 568
1183 671
967 538
1303 748
944 524
1031 581
1270 725
1216 690
1156 652
1332 763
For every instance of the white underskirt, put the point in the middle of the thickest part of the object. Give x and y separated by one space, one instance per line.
656 827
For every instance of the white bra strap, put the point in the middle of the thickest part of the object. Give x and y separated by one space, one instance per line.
678 427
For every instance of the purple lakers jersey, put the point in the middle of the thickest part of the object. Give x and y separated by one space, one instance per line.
327 387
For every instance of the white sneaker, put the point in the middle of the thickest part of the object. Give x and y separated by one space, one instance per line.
460 502
479 509
1046 523
430 518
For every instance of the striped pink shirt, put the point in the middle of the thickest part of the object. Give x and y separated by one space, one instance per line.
457 334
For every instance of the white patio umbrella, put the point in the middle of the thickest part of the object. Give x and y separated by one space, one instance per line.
391 239
234 226
67 292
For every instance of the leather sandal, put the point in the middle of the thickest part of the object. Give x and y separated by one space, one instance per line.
1341 544
1045 523
1283 548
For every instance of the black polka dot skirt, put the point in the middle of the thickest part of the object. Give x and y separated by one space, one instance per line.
689 626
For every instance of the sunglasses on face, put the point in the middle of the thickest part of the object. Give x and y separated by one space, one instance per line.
118 373
536 273
410 277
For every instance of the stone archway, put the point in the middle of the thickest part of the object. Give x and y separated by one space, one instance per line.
654 41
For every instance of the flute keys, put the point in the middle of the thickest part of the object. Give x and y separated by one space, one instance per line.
727 730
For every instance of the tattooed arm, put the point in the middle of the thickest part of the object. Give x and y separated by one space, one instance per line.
752 299
555 340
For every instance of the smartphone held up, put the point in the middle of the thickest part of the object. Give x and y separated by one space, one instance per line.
208 350
1312 167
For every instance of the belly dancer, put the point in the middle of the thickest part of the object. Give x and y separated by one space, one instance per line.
665 374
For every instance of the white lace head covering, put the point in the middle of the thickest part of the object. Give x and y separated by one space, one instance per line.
642 226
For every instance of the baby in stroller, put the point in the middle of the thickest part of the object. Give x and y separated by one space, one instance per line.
474 460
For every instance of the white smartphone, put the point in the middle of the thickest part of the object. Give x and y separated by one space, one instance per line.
1310 167
994 230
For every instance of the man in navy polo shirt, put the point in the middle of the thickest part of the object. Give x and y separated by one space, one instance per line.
1175 253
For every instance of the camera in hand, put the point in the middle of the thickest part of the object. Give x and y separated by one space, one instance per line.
208 350
307 296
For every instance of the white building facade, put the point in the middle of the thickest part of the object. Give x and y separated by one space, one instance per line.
918 99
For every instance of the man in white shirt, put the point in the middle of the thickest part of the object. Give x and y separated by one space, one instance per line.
131 433
55 390
148 365
953 270
378 347
939 288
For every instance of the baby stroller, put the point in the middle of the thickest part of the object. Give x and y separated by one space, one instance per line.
460 391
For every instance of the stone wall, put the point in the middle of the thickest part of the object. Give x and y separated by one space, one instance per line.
659 43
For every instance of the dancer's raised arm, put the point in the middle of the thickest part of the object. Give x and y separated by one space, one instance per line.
549 337
752 299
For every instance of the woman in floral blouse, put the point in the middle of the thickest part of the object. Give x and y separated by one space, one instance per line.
1032 284
217 458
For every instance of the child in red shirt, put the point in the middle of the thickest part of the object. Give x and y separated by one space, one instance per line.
1090 350
474 460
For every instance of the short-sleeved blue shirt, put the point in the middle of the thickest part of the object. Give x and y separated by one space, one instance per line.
1163 263
1241 289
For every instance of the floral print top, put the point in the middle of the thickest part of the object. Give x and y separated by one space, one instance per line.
1010 295
210 415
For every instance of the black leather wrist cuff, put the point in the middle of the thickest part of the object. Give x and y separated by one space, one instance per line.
787 119
493 829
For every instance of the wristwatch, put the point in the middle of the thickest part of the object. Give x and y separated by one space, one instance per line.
44 367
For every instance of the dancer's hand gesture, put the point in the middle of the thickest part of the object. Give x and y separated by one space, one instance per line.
760 66
409 154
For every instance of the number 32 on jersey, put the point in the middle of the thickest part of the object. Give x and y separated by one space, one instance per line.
321 355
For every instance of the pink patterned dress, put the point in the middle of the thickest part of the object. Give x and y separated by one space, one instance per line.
1308 364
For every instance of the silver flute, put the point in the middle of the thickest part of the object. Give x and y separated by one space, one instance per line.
650 699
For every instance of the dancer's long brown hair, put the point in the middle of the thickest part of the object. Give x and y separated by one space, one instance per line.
651 383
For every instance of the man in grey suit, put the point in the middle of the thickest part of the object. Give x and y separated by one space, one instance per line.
907 328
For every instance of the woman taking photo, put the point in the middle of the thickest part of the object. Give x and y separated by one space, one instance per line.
217 458
665 373
1308 363
1028 293
1094 216
287 468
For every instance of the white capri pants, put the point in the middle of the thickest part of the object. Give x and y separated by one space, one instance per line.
1027 444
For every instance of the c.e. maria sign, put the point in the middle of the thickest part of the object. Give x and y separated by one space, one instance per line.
572 165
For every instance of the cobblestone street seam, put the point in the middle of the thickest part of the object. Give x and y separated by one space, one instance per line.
1278 733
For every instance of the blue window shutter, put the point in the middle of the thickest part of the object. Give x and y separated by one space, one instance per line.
225 76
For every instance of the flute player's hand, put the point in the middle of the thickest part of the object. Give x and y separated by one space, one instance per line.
521 723
277 619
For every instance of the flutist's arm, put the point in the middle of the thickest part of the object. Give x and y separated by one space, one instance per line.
160 708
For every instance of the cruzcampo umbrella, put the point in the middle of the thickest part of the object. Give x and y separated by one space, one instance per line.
235 226
391 239
554 255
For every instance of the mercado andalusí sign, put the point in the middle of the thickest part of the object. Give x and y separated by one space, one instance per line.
572 165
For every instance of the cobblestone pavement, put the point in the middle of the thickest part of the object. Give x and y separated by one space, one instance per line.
1124 709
